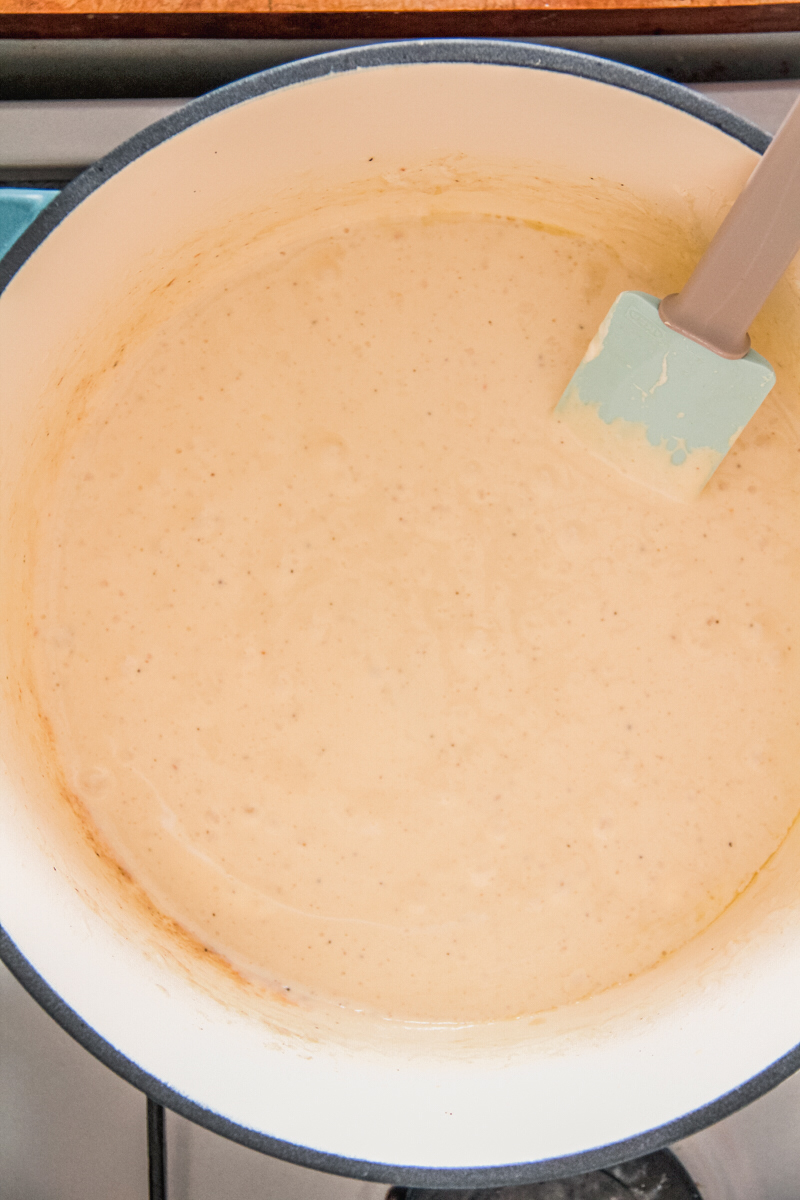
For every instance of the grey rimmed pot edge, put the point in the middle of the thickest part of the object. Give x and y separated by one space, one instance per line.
373 56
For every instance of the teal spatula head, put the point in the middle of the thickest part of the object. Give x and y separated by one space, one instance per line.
660 407
665 389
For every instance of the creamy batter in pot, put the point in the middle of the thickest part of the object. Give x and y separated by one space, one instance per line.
378 683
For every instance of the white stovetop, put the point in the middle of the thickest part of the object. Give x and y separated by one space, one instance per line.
69 1128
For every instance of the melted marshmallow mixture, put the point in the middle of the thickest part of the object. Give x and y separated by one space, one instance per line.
377 682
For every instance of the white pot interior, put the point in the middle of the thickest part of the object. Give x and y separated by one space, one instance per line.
712 1015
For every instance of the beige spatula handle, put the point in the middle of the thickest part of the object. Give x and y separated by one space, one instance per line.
747 255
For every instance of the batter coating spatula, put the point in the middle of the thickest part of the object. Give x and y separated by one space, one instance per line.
665 389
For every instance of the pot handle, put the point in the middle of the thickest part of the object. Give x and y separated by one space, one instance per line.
18 209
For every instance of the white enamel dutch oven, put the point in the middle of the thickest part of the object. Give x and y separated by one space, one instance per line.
608 1079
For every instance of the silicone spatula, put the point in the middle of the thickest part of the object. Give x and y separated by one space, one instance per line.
665 389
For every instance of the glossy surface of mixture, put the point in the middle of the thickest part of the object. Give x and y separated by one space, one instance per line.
377 682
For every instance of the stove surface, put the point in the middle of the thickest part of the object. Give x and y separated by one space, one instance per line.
72 1130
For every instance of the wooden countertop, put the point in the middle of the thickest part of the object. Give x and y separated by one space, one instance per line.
389 18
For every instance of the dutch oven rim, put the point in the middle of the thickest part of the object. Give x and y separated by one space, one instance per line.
434 50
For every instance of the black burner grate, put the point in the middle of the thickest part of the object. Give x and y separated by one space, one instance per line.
156 1151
